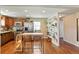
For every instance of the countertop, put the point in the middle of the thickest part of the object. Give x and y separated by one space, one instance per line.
2 32
31 33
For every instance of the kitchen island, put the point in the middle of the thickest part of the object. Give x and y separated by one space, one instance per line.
25 42
6 36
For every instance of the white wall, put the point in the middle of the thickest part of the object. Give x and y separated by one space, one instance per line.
70 29
61 28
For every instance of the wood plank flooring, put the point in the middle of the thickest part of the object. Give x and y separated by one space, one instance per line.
49 48
8 48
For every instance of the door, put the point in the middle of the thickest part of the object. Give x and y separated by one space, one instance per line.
61 29
77 21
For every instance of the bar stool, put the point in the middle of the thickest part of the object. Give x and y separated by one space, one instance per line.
19 43
27 44
38 47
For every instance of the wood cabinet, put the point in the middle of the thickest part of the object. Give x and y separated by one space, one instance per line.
5 37
21 19
9 22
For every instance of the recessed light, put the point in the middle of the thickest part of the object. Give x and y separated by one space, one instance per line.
27 15
43 11
60 16
6 10
1 12
26 10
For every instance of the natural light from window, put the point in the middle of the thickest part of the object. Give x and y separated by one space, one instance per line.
37 26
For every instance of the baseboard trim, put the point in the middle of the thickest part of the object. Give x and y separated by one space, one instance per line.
71 43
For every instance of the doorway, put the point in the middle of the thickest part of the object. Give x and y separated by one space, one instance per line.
61 30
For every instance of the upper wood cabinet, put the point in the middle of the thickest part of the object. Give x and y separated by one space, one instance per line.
21 19
9 21
0 17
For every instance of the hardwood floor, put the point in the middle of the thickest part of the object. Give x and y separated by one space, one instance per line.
49 48
8 48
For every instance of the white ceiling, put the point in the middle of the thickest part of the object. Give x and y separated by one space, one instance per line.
36 10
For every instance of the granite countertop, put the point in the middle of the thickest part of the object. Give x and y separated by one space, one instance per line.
32 33
2 32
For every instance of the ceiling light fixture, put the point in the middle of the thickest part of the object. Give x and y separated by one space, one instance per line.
6 10
26 10
60 16
1 11
43 11
27 15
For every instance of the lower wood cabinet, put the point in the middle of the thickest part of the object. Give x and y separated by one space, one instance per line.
5 37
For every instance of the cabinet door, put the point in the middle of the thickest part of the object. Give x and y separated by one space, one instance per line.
6 22
3 39
11 35
11 22
8 36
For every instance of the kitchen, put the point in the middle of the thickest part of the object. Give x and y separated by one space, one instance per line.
11 27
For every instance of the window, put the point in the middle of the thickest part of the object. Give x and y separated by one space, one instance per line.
36 26
2 22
